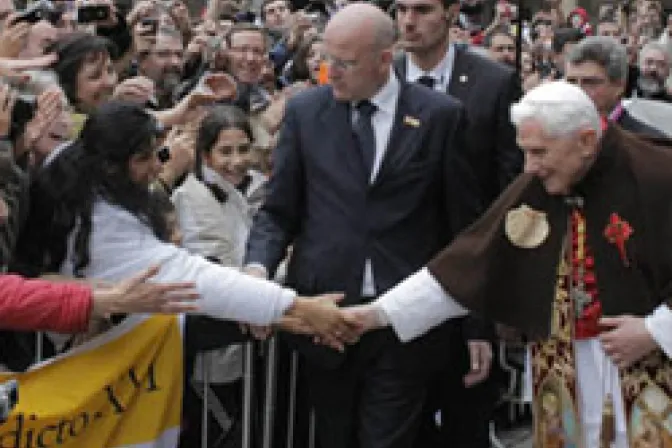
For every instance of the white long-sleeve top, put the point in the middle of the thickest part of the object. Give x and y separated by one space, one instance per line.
122 246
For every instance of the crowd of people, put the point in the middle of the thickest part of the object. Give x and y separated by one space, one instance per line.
266 163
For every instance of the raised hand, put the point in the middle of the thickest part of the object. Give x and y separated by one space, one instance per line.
13 36
138 89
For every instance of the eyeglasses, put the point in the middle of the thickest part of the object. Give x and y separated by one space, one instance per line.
257 52
339 64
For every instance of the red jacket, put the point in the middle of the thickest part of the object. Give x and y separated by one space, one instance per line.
41 305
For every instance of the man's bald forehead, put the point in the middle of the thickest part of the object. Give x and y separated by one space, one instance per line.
358 17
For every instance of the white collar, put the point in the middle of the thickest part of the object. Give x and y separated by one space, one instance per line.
441 72
385 99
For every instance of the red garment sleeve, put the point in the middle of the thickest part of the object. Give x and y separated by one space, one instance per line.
41 305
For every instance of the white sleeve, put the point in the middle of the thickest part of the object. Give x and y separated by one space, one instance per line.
418 304
121 246
659 324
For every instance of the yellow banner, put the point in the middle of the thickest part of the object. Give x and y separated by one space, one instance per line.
121 389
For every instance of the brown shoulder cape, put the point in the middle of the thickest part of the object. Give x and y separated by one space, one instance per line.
493 278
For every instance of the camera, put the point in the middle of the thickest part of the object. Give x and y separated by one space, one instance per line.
9 396
93 13
24 110
163 154
316 10
40 10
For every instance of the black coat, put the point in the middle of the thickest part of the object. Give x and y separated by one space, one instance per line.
486 89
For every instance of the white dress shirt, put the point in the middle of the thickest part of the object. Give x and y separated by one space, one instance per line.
382 121
441 73
420 303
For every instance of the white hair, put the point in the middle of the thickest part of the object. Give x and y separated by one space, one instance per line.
562 109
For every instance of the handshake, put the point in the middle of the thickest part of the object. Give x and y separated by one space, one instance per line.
330 325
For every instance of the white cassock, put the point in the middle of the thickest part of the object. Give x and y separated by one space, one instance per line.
420 303
122 246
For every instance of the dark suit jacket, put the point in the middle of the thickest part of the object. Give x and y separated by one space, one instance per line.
486 89
321 202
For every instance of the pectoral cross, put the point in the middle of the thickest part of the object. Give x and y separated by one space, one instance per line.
581 299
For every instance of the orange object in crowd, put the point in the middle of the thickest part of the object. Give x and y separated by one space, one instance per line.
323 77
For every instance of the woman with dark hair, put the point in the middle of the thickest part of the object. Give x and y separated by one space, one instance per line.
307 60
84 69
94 216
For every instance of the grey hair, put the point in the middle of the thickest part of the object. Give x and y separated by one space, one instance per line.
606 52
656 46
561 109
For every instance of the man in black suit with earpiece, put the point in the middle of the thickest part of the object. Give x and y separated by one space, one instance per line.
486 89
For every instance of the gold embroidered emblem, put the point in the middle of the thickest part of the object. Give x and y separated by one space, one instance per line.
525 227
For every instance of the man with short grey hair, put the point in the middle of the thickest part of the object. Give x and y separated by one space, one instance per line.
599 65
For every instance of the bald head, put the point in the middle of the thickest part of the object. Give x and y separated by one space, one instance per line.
364 22
358 44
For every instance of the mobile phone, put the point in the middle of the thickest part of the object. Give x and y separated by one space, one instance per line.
93 13
42 10
9 396
29 16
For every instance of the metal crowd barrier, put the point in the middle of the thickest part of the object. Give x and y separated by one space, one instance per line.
268 411
267 414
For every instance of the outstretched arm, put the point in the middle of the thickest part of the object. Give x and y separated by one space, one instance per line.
412 308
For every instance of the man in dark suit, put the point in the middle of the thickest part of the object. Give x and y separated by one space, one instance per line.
369 180
486 90
599 65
